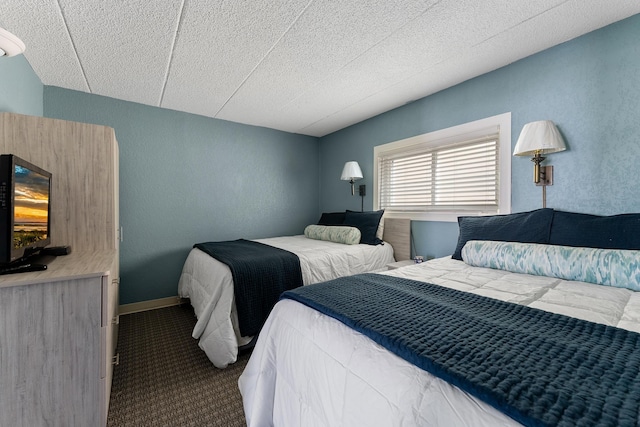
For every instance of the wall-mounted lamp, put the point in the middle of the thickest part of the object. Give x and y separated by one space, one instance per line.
10 45
351 172
536 139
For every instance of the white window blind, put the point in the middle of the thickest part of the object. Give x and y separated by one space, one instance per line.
457 176
440 175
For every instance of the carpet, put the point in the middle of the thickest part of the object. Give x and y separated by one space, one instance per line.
164 379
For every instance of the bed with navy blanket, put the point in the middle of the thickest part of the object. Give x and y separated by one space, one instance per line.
501 352
511 333
260 274
210 285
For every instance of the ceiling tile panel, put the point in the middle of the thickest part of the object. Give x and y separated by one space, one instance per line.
305 66
326 38
120 41
219 46
39 24
543 30
396 75
420 44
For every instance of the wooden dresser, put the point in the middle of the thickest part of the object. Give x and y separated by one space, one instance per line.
58 327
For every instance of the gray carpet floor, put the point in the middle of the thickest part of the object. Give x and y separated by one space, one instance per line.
164 379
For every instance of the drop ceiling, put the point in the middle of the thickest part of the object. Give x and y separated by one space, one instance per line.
303 66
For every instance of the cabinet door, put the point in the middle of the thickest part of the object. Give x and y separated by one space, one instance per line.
109 341
114 294
50 353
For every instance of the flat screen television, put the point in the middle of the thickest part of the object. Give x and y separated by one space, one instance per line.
25 209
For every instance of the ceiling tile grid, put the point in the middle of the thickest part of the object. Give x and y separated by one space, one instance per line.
543 30
220 46
303 66
415 52
124 46
326 38
39 23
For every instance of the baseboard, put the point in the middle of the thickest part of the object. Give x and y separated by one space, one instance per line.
149 305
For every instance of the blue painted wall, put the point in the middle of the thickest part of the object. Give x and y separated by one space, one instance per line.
21 90
589 86
186 179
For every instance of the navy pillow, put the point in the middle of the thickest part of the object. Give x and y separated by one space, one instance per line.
367 223
331 218
593 231
523 227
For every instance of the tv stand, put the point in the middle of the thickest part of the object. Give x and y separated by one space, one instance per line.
56 340
35 262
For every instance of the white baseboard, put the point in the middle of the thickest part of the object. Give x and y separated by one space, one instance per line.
149 305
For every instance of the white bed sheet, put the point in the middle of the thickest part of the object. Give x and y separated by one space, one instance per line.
209 285
308 369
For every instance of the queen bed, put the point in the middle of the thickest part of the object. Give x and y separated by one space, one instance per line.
209 283
510 331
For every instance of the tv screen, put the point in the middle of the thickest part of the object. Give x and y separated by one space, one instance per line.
25 208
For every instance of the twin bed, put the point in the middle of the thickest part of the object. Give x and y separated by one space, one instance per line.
527 324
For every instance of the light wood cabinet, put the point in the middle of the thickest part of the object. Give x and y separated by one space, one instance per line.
55 363
58 327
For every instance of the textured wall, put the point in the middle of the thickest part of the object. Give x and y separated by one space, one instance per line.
590 87
21 90
186 179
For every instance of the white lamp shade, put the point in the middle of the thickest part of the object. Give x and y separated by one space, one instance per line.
10 45
351 171
539 137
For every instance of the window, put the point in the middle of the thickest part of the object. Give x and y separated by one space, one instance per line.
443 174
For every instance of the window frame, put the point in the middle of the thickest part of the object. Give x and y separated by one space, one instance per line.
444 138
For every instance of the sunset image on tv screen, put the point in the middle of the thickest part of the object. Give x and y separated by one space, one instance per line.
31 207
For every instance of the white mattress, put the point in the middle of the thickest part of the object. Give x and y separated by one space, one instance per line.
308 369
209 285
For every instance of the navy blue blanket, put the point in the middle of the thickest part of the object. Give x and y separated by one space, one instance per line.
260 274
540 368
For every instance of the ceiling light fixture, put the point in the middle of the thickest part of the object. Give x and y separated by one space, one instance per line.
10 45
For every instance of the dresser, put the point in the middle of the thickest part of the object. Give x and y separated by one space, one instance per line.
58 327
56 341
